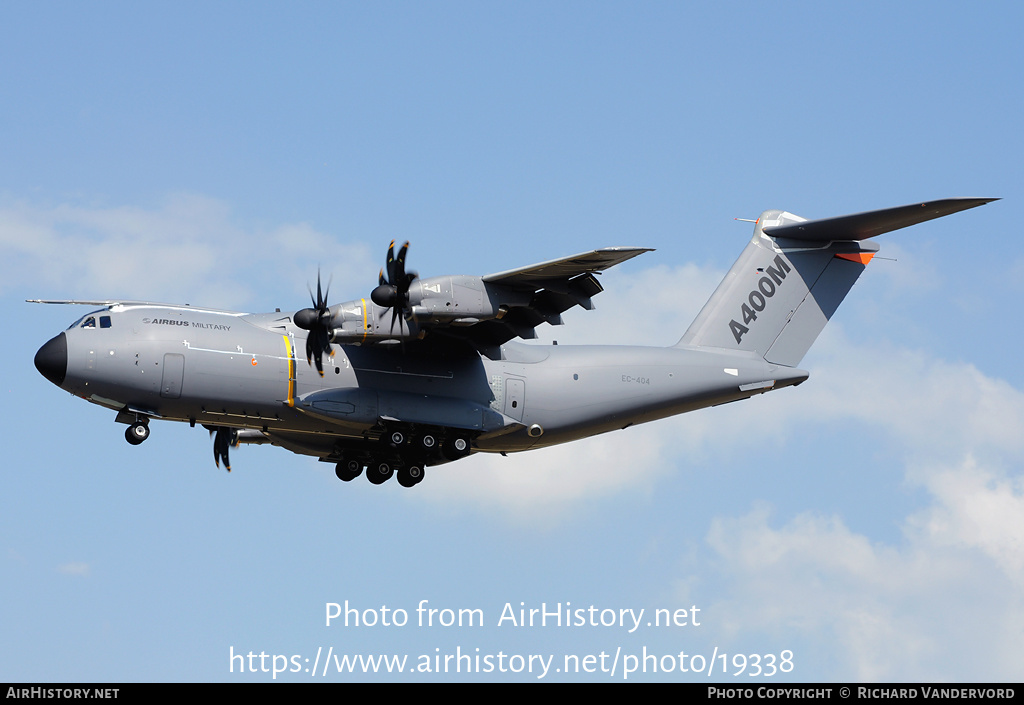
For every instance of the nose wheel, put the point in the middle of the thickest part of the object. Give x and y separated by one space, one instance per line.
136 433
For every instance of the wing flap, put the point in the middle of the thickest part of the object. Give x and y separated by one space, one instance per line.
555 287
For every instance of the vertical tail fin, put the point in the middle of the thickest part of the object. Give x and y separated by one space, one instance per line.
793 275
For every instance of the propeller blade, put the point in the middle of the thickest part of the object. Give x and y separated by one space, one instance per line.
322 307
317 344
390 264
223 439
394 315
400 264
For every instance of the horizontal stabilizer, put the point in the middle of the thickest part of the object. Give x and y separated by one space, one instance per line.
861 226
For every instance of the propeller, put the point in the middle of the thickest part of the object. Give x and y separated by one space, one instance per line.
225 438
317 321
393 291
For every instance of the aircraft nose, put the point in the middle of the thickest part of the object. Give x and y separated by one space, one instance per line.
52 359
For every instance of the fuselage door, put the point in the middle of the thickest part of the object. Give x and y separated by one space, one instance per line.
174 371
515 397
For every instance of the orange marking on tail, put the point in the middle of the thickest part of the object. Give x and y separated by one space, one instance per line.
862 257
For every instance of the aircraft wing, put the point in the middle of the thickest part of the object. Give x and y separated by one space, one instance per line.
543 292
566 268
448 314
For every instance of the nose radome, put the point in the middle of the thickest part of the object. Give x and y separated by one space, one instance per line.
52 359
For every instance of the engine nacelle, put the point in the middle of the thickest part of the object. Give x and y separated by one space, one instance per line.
437 301
461 300
251 436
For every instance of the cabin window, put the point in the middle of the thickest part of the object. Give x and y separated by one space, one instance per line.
104 321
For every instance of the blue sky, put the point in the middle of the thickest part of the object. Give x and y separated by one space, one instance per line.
868 521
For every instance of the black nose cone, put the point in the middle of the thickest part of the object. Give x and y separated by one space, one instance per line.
52 359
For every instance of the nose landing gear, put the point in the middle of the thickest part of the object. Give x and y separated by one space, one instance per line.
137 432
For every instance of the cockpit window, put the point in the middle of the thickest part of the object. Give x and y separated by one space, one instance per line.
89 321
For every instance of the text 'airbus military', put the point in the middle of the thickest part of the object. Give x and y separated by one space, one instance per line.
426 371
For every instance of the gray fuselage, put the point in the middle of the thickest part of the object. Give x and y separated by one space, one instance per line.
247 371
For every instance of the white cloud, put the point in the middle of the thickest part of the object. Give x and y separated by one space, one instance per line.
188 249
930 609
651 306
542 486
937 605
977 508
78 569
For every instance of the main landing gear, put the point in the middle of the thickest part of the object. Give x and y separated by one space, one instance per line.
380 471
402 454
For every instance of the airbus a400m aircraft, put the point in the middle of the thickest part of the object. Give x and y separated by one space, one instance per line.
427 371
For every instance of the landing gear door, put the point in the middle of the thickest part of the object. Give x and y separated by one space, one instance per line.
515 397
